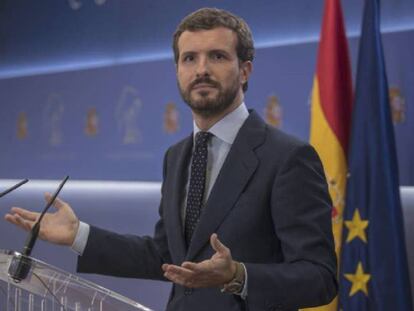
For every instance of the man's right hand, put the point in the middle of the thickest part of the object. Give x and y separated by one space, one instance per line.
59 227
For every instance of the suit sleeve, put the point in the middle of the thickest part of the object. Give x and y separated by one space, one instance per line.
110 253
301 212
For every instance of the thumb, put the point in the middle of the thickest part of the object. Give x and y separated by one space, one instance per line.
58 203
217 245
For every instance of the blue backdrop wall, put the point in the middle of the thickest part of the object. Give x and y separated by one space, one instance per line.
115 122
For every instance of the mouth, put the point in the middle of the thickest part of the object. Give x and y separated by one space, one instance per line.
203 86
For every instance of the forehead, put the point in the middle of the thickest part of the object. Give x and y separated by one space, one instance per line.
203 40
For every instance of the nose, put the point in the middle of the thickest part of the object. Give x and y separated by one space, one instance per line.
202 69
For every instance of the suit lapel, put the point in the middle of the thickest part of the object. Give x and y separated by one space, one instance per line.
238 168
176 187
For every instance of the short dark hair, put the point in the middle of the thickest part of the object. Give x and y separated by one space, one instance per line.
210 18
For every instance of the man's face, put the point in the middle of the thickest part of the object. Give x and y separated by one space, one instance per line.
209 75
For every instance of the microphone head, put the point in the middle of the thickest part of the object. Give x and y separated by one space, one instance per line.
19 268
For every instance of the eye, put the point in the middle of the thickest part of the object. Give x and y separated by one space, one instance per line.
218 56
188 58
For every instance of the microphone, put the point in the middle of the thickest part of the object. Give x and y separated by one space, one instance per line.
21 263
14 187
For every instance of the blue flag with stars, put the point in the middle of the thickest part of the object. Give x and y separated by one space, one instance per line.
373 268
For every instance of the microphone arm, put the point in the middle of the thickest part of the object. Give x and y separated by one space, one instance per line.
21 263
13 187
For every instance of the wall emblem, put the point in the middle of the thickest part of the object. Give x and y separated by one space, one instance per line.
92 122
22 126
52 117
127 111
273 112
171 116
397 103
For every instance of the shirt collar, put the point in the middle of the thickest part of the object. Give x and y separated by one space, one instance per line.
227 128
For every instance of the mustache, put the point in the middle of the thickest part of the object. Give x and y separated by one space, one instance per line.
204 80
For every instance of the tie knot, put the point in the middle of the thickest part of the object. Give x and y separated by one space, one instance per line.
202 138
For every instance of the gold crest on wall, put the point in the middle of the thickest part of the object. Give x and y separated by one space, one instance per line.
273 112
92 122
171 116
22 125
397 103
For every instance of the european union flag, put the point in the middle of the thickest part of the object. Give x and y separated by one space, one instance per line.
374 269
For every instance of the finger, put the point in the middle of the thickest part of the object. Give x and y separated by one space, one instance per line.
18 221
217 245
180 271
190 266
174 279
58 203
180 275
24 223
27 215
10 218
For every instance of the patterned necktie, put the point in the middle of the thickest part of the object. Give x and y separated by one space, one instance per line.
197 184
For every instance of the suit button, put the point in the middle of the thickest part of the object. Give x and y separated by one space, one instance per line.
188 291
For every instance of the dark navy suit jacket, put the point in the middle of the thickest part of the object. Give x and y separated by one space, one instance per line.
270 205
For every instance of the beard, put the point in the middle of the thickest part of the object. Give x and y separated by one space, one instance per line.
210 106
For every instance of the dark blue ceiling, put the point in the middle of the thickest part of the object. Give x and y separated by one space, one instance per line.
50 35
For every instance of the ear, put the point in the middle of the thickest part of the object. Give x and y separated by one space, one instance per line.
245 69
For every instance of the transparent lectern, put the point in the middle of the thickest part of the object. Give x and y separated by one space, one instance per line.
47 288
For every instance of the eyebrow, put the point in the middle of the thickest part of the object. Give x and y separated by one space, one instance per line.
219 51
185 53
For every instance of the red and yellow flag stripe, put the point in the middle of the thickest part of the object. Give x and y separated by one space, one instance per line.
331 112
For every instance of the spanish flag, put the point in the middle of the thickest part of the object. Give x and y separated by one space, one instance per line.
331 112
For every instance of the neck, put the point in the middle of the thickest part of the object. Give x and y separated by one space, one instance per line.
205 123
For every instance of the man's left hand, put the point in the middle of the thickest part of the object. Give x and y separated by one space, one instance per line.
214 272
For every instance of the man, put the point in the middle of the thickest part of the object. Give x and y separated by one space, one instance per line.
245 212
